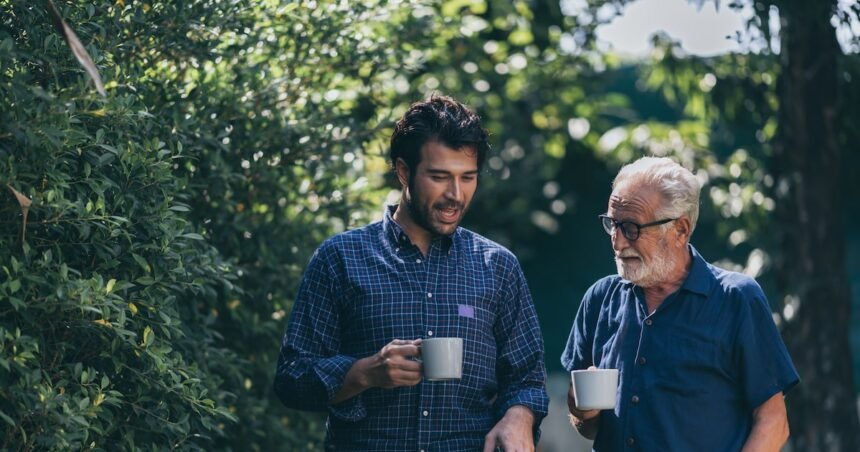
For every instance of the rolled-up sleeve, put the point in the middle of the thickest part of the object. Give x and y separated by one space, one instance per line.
520 370
310 369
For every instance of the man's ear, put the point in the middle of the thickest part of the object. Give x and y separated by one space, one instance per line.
684 227
402 170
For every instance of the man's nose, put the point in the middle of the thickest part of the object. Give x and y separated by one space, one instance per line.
454 190
619 242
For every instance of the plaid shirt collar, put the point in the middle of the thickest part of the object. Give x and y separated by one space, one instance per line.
397 236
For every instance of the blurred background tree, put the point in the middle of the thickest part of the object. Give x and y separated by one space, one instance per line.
171 219
768 130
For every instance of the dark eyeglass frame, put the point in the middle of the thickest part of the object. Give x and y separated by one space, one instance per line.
611 224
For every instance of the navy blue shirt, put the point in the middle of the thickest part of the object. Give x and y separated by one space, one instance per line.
369 286
692 372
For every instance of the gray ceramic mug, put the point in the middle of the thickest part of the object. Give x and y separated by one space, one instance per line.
442 358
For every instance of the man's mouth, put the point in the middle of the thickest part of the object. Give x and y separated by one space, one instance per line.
448 214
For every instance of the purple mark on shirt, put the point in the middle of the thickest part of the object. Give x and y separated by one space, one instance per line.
466 311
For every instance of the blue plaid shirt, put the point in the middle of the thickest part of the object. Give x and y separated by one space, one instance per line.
369 286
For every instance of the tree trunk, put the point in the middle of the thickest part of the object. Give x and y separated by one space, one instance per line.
811 271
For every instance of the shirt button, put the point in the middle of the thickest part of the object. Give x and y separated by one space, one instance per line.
429 295
631 441
635 399
648 322
642 361
417 261
426 413
430 332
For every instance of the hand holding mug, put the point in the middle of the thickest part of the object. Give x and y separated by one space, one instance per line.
393 365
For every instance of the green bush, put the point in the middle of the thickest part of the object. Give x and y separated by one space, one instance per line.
171 219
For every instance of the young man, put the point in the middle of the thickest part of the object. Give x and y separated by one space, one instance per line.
702 366
370 295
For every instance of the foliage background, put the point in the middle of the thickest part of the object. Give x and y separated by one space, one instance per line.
171 219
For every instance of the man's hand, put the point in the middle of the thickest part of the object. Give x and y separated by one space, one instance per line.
391 367
571 406
513 433
584 421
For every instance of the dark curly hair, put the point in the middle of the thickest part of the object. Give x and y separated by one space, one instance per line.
441 119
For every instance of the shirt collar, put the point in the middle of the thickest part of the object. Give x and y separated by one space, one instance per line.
700 277
393 232
397 236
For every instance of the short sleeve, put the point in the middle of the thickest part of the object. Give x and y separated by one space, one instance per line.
765 365
578 350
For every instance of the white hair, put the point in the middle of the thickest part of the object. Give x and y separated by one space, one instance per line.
678 186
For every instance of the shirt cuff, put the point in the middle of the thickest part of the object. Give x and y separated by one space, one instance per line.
331 373
769 391
535 399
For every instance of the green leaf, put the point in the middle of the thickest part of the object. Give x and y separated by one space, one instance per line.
14 285
105 159
145 280
7 418
141 262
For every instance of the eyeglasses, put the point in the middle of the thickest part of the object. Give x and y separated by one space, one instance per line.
630 229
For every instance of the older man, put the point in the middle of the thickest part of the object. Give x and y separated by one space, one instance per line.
702 366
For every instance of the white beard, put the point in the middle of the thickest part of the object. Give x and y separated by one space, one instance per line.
647 275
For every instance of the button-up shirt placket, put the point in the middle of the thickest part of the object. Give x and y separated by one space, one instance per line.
431 265
629 398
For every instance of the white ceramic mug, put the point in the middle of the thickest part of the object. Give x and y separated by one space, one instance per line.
442 358
595 389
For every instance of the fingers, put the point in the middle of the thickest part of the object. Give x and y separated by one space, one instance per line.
495 441
400 372
403 364
571 406
403 348
401 377
490 443
405 342
394 366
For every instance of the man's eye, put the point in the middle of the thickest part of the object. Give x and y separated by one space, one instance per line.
469 178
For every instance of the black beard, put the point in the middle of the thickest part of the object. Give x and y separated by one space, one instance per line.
421 217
